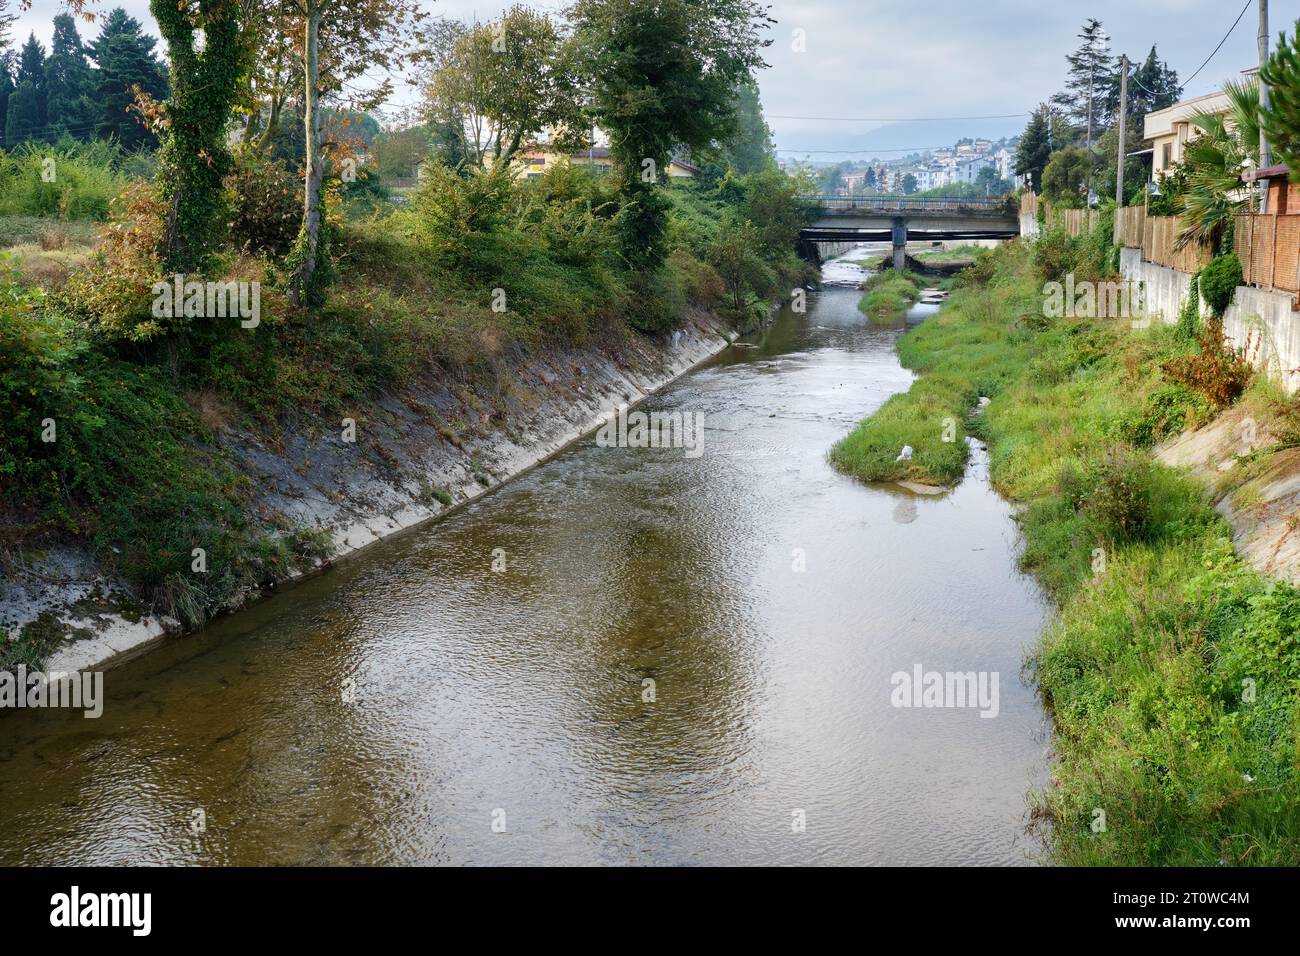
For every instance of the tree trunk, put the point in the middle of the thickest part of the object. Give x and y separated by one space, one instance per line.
311 207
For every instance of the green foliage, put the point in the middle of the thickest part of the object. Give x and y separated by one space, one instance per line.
889 293
67 181
124 55
195 159
1218 282
1189 316
1066 176
662 74
265 201
1281 121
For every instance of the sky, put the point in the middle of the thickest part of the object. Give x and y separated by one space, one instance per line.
863 61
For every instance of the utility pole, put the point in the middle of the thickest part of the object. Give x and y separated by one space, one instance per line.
1123 124
1264 160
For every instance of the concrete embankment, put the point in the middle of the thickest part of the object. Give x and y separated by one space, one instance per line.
401 460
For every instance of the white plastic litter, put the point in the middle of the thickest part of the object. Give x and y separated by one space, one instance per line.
905 454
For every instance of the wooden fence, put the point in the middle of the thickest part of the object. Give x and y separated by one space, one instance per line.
1129 224
1159 245
1269 250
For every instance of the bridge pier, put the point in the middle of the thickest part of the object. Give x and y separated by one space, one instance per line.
898 234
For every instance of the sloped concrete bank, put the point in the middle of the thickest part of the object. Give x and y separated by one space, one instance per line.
407 458
1260 500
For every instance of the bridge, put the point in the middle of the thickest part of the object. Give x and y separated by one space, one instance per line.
897 219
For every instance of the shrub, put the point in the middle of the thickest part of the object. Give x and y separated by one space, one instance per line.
1218 373
1219 281
113 294
265 204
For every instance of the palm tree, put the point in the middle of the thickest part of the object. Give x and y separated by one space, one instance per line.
1213 163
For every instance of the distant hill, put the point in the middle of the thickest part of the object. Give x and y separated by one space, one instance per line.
911 137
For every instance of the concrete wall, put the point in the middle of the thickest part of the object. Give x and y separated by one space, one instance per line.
1028 225
1260 321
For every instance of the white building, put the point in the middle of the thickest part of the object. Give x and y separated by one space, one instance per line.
968 170
1005 161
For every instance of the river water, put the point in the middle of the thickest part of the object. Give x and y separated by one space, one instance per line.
414 705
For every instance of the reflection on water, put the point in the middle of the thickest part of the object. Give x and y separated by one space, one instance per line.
762 600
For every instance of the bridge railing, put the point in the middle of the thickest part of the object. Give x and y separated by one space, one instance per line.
910 204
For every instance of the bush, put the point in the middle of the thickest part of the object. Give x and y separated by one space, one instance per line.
1217 372
1219 281
265 204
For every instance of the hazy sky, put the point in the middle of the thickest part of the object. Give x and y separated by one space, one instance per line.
939 58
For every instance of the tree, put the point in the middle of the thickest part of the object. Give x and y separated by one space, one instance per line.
25 115
1066 176
909 183
1035 147
501 84
1090 64
6 58
125 57
661 74
1281 121
750 149
869 177
1212 163
69 108
339 40
205 78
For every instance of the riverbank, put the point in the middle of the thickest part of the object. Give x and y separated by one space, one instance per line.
1170 669
425 450
157 470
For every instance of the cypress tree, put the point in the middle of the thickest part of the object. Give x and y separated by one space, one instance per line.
125 57
68 82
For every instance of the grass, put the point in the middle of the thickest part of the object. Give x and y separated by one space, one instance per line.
890 293
1172 668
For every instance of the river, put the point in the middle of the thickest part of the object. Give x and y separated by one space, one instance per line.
416 704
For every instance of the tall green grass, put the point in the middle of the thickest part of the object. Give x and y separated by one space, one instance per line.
69 180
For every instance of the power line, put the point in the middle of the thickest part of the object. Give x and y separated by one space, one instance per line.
892 149
894 119
1221 42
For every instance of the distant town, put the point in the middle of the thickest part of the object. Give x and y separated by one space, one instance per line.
968 167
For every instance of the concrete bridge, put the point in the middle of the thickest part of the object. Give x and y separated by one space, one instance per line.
897 219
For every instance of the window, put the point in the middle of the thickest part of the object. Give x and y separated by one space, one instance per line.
1166 154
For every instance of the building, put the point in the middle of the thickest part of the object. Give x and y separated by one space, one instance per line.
1171 128
968 170
1282 197
538 159
1005 161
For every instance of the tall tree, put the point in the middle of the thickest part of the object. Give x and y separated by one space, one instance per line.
25 113
124 54
750 150
338 41
206 53
1281 121
662 74
68 80
504 83
1035 146
1089 66
6 63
